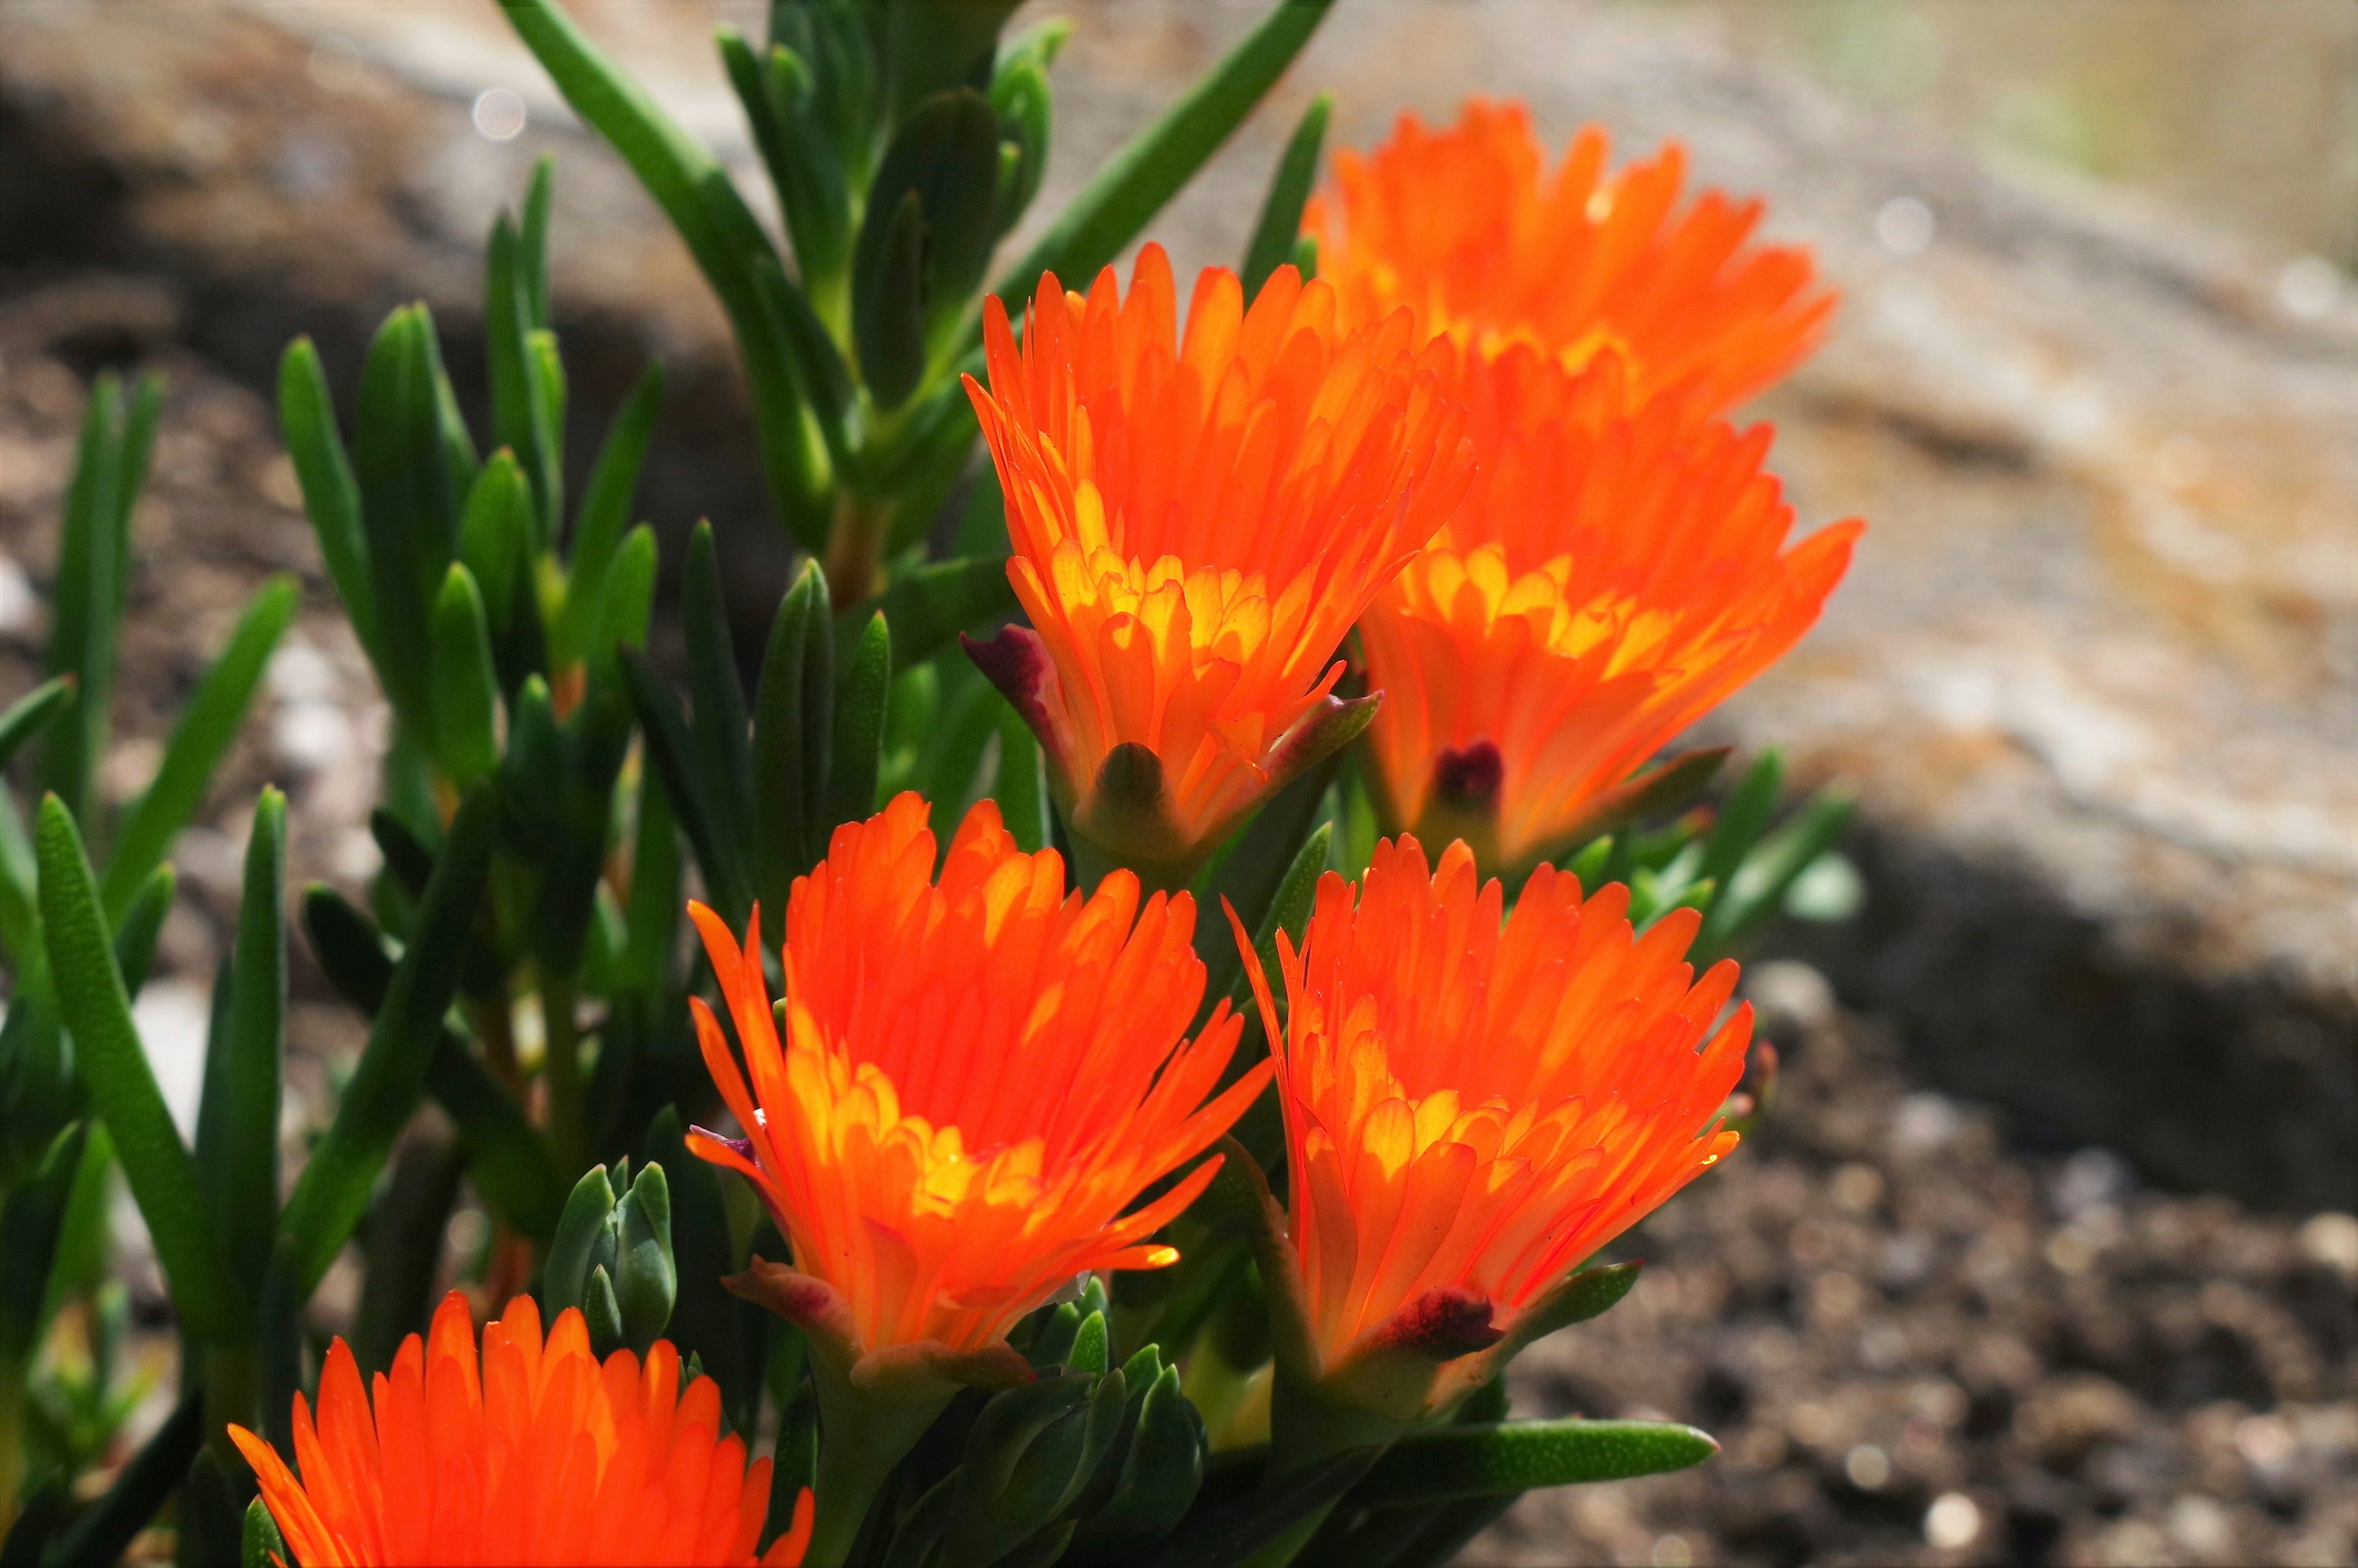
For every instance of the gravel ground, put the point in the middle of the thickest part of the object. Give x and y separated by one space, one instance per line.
1919 1346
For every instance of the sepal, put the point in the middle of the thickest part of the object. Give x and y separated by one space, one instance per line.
926 1371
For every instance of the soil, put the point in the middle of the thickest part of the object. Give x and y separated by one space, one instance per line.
1920 1345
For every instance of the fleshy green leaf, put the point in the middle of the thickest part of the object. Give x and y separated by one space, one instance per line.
1269 857
724 754
523 412
199 740
926 237
262 1546
720 233
605 511
508 1161
573 1252
97 1010
860 727
94 573
105 1532
1759 884
1022 787
466 689
331 497
495 541
257 1017
931 604
793 710
409 503
1449 1463
332 1193
1289 190
26 715
1133 185
652 918
1223 1536
1289 909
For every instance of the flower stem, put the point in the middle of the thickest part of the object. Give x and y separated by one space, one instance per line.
855 549
862 1436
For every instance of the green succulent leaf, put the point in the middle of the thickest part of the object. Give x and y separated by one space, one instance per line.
1232 1533
794 718
1131 187
409 502
333 1191
1769 870
525 411
332 496
508 1161
94 576
465 687
96 1009
247 1213
646 1281
931 604
262 1546
720 233
105 1532
605 514
1289 191
199 741
573 1253
1450 1464
860 712
1022 790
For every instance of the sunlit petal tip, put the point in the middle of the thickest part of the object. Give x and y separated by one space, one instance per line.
483 1452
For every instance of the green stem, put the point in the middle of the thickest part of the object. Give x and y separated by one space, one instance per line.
1305 1428
1092 861
232 1393
861 1437
855 549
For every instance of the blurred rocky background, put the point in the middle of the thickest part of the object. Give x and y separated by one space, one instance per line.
2047 1253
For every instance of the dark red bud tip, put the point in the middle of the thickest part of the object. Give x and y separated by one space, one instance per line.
1441 1324
1017 662
743 1147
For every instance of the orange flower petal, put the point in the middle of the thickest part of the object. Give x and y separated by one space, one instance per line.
979 1074
1464 226
1620 568
530 1454
1477 1103
1197 520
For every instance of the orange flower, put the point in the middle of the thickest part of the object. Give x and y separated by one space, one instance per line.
1472 1107
979 1078
1196 522
541 1456
1464 226
1619 569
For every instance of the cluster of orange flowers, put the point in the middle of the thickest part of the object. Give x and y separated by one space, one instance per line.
1489 438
